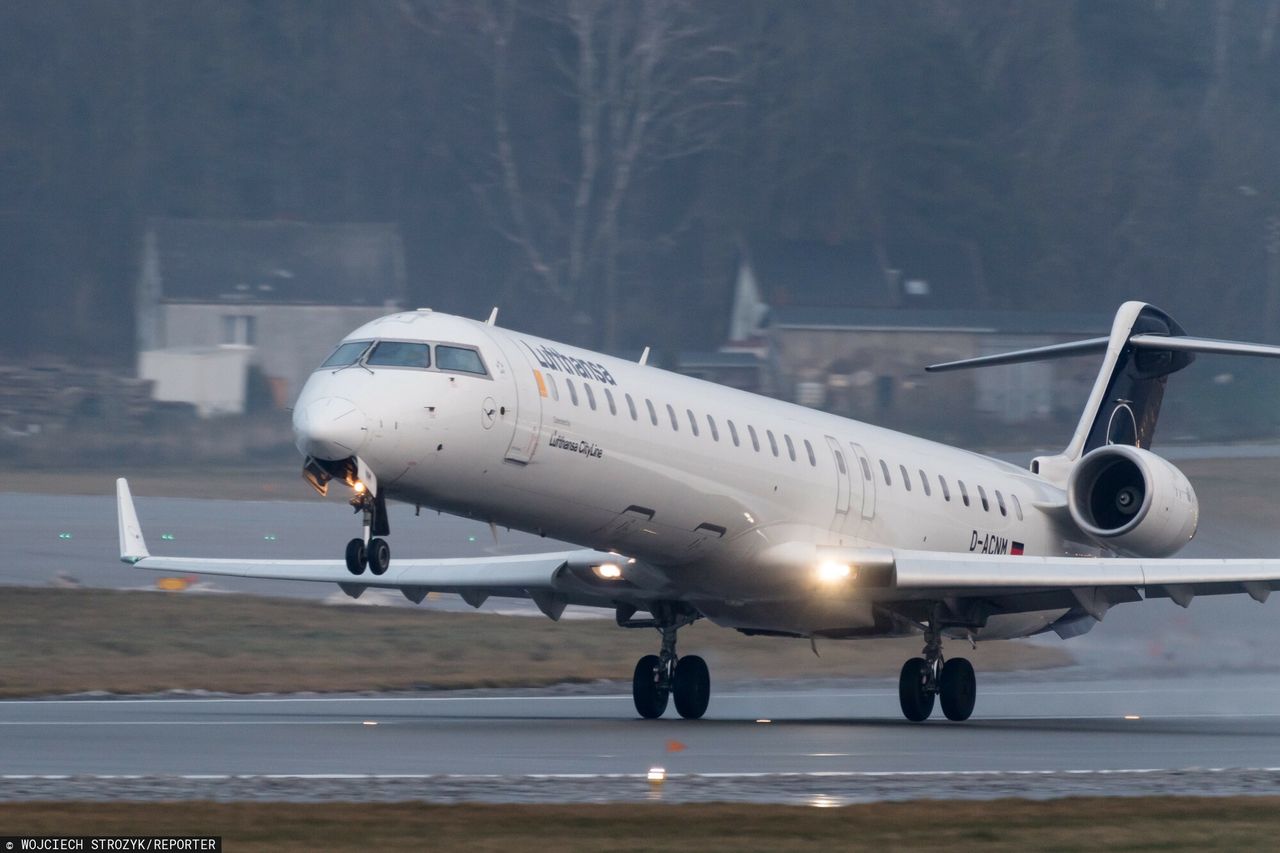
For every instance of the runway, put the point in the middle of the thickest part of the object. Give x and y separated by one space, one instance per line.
1038 737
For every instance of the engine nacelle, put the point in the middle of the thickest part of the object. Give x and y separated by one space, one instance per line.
1132 501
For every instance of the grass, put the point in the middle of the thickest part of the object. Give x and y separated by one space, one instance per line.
56 641
1153 823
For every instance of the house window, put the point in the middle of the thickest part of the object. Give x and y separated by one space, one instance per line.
239 330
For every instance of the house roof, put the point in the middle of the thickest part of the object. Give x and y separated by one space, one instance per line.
278 262
936 320
817 274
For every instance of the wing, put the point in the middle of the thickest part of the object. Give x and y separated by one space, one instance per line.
979 586
552 580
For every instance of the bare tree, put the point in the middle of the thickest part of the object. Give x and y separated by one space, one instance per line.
647 83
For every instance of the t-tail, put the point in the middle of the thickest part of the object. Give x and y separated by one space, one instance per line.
1145 346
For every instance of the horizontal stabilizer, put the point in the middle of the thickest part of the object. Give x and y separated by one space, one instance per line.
1067 350
1165 343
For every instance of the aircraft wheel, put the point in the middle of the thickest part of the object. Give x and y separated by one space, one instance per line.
691 687
356 556
646 689
379 556
916 701
958 689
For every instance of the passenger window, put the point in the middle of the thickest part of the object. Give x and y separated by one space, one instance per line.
906 479
791 448
631 406
653 413
460 359
964 493
733 433
982 495
346 354
1017 506
946 492
693 422
573 392
613 408
755 440
840 463
591 397
1000 503
773 442
924 484
884 469
866 468
715 433
399 354
675 424
555 389
808 448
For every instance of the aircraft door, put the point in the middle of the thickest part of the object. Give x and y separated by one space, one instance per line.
525 399
842 483
862 470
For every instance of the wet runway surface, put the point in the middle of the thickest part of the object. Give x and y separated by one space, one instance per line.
1039 736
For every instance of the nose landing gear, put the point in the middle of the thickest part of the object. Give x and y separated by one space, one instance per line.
366 552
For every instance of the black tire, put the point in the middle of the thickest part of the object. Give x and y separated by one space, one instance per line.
958 689
379 556
650 699
356 556
692 687
917 703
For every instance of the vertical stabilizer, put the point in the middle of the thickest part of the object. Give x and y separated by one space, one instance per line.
1124 405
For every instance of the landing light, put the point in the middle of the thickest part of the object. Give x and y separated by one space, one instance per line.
833 572
607 571
359 487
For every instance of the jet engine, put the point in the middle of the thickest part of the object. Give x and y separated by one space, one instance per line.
1133 502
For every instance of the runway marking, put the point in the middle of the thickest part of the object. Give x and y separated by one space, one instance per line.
462 777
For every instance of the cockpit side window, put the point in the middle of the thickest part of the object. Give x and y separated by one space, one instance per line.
399 354
460 359
346 354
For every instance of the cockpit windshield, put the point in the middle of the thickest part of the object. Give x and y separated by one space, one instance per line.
399 354
460 359
347 354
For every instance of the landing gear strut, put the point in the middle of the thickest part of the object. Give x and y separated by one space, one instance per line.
364 551
658 677
923 678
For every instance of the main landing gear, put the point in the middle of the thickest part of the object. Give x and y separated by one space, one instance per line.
923 678
658 677
366 552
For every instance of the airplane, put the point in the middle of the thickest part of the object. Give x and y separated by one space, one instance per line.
691 500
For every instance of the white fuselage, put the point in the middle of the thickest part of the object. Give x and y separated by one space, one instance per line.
693 478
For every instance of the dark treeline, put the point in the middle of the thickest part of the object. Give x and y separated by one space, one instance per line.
596 166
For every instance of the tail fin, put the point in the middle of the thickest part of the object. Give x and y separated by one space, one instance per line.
1144 347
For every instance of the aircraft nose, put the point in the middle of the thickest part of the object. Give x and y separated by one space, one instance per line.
330 428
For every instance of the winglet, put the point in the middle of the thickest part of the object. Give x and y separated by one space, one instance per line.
132 546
